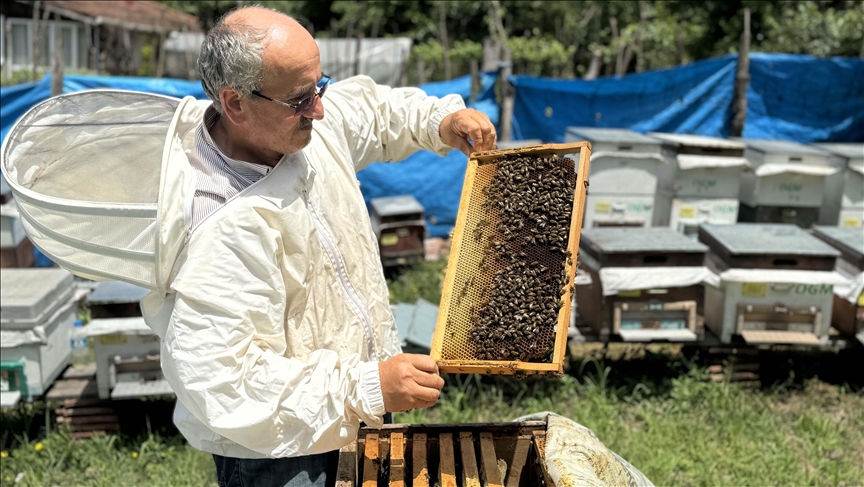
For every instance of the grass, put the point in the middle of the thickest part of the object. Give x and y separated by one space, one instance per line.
696 433
652 405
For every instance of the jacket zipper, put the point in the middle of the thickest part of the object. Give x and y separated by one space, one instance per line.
336 259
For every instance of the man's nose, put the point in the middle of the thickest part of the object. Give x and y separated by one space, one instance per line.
317 112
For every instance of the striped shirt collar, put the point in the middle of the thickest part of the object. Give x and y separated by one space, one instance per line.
211 116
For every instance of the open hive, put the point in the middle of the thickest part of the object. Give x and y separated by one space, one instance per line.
505 304
468 455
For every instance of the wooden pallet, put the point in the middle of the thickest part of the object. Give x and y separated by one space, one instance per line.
732 364
468 455
87 417
452 331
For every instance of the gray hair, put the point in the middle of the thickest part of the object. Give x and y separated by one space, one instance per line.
232 56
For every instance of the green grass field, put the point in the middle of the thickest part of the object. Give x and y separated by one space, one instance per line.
650 405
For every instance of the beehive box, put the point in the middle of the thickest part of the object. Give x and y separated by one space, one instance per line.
776 284
625 173
479 253
848 313
37 311
465 455
844 191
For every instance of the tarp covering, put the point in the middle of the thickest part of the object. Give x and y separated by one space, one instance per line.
790 97
618 279
17 99
434 181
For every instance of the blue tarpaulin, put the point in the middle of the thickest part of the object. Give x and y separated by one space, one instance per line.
790 97
16 100
434 181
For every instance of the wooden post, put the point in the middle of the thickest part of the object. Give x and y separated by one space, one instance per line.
475 78
508 97
442 34
57 64
160 60
96 44
506 68
742 79
421 71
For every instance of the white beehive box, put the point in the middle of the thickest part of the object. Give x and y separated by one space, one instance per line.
11 229
37 314
776 284
786 184
844 191
625 169
705 179
127 358
848 315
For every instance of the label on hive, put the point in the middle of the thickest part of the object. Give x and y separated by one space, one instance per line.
389 239
687 211
630 294
754 289
113 339
603 207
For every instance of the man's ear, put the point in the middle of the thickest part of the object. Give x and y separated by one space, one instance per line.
230 100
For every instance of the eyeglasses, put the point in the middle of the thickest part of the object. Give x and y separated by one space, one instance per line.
306 104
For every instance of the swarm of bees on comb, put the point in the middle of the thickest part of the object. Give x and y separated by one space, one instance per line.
531 199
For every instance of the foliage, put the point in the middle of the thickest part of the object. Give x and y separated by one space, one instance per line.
422 281
555 38
808 29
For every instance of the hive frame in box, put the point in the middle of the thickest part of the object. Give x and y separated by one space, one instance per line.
512 367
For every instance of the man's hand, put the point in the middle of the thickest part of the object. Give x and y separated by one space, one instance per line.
409 381
468 124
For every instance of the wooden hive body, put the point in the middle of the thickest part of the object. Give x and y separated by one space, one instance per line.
464 455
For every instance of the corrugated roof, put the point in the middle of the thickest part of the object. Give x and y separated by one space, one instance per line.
849 151
111 292
768 239
396 205
630 240
699 140
144 14
850 238
783 147
593 134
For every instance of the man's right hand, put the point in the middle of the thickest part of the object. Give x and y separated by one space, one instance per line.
409 381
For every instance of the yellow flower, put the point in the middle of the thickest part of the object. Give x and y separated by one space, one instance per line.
8 479
134 454
4 454
38 446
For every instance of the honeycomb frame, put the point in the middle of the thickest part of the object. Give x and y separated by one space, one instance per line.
451 345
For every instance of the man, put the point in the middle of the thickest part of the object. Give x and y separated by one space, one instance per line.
277 334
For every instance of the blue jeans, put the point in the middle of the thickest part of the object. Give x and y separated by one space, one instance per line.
311 470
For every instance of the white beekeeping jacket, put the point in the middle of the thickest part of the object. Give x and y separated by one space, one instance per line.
273 312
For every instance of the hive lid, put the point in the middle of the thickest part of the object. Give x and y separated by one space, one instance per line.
28 295
683 335
395 205
125 326
632 240
782 147
849 151
847 240
699 141
610 135
113 292
767 239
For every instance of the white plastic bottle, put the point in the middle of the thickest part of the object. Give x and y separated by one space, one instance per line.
80 351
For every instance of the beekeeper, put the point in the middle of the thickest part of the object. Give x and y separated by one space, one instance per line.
278 337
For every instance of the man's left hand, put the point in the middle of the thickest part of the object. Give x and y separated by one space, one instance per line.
458 128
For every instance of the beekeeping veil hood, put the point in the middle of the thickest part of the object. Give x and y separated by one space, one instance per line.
102 181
